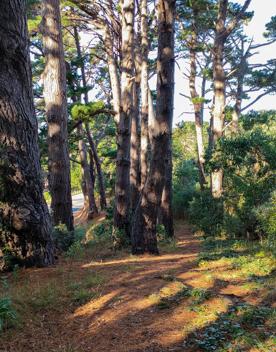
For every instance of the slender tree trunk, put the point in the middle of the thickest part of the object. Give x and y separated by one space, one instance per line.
25 225
56 111
113 75
122 185
89 134
144 94
219 93
237 108
98 166
197 110
90 208
144 226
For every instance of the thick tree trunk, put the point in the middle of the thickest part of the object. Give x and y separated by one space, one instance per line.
166 211
144 94
135 150
122 185
197 110
219 93
144 226
25 225
54 77
90 208
135 145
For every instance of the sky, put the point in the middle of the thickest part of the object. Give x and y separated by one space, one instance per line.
263 11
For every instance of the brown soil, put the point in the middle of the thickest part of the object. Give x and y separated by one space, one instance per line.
123 316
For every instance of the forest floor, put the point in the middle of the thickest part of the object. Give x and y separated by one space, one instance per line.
214 295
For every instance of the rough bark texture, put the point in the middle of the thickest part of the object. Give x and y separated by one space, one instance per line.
144 226
135 150
166 211
197 110
90 208
25 226
54 77
144 94
219 92
221 34
122 184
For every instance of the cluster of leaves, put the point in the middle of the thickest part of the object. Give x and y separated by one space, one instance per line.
249 163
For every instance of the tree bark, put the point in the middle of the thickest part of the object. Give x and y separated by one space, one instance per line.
219 93
25 225
90 208
144 155
135 145
98 166
144 227
122 184
197 110
135 150
54 77
89 135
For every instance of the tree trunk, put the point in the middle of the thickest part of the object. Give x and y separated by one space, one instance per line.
122 184
144 226
166 211
25 225
197 110
219 93
89 135
54 77
98 166
144 94
135 150
90 208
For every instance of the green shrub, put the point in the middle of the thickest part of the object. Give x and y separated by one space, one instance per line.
75 251
62 237
7 313
206 213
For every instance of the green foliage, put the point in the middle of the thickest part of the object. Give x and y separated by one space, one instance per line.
248 160
84 112
7 313
76 177
206 213
75 251
62 237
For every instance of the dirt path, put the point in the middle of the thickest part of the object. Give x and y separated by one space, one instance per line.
122 304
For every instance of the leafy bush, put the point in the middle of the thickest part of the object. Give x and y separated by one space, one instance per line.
266 215
185 177
62 237
206 213
7 313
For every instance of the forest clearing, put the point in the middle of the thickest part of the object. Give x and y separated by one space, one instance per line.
215 296
137 176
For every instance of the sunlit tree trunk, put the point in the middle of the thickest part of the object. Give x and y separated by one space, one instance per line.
122 184
90 139
197 110
144 226
135 136
54 77
219 93
25 225
90 208
144 93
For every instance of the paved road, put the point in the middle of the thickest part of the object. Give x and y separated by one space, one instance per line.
77 202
